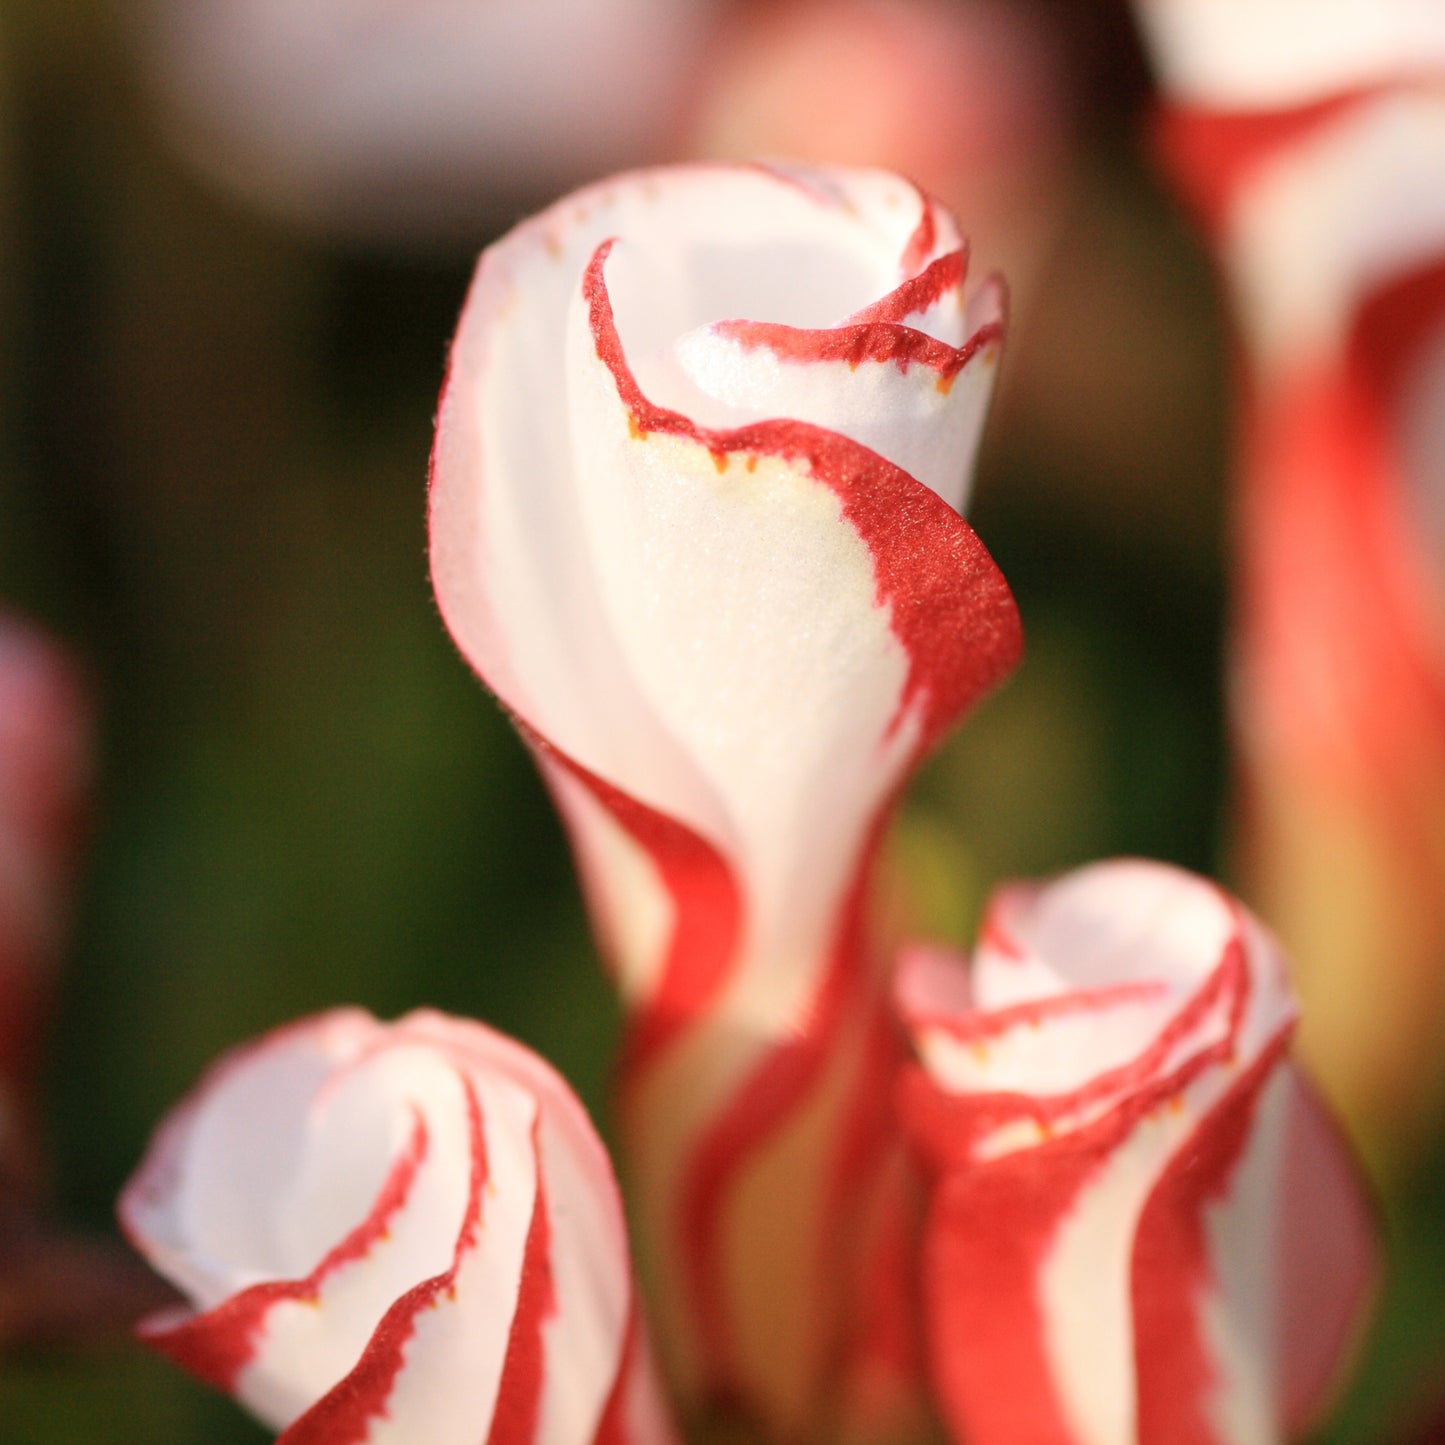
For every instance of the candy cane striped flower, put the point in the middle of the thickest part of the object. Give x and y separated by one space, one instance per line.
694 519
1312 138
397 1233
1143 1229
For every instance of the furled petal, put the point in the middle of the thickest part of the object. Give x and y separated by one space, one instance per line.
1274 54
397 1233
673 526
1142 1228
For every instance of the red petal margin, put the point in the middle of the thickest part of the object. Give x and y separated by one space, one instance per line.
948 604
707 911
218 1345
925 235
948 1129
345 1414
875 341
918 293
1171 1269
519 1395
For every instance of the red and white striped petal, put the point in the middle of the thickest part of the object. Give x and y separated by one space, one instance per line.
693 519
1142 1227
1275 54
392 1233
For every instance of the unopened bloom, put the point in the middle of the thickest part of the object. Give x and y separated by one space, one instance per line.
1143 1227
1312 139
45 757
694 519
398 1233
412 118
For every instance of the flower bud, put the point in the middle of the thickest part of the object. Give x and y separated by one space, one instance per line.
694 519
397 1232
1143 1229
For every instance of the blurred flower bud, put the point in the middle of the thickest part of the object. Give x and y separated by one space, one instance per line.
1312 140
417 119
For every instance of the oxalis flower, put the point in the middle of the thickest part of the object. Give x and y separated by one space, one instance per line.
1143 1229
397 1233
1312 139
694 519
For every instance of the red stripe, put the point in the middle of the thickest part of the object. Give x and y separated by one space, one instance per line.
875 341
218 1345
981 1025
753 1111
919 292
988 1233
993 1222
756 1109
878 1357
990 1229
1172 1273
1212 154
1392 326
924 238
344 1415
1340 631
707 913
519 1395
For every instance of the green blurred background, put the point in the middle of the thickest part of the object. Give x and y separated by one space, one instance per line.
213 441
